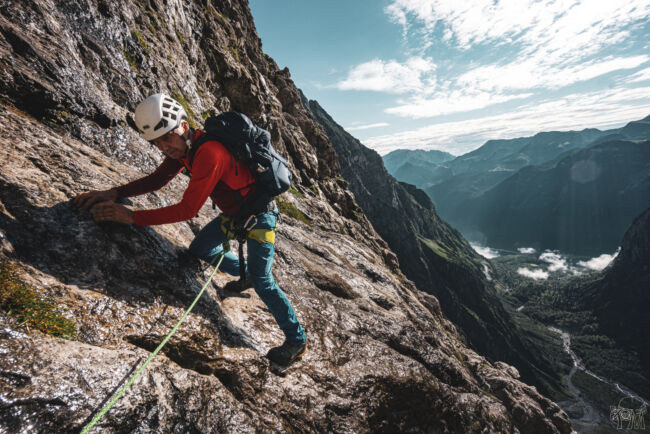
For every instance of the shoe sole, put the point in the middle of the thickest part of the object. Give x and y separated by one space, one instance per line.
300 355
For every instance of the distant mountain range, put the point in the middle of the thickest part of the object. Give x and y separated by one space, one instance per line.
414 167
576 191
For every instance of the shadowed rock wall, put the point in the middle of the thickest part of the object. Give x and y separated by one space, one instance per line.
435 256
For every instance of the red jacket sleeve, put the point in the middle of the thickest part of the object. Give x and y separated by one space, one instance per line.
167 170
207 170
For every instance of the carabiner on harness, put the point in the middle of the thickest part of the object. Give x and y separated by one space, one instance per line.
252 221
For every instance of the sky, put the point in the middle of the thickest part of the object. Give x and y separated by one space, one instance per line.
450 75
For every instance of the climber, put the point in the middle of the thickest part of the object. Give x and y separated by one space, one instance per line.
215 173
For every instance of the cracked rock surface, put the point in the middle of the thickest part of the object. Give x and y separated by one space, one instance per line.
381 355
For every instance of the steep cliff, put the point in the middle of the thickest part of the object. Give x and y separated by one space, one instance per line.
434 255
621 299
382 356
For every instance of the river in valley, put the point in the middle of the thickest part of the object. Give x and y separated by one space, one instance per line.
590 418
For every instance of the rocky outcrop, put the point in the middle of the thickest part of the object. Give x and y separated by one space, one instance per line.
381 355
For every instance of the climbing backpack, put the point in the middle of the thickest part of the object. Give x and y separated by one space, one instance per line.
252 145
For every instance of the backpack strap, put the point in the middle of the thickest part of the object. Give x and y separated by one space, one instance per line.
256 202
196 144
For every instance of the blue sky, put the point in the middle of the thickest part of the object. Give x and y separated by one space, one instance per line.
450 74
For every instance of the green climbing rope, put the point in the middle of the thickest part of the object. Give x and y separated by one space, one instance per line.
119 394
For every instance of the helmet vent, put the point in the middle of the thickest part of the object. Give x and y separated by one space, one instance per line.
161 124
160 110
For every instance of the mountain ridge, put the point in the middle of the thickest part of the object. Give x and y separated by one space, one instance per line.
582 205
431 253
476 192
620 300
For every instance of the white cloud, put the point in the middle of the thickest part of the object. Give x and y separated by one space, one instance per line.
451 102
365 127
533 274
608 108
555 43
535 72
599 263
558 263
560 29
417 74
488 85
486 252
642 75
527 250
486 272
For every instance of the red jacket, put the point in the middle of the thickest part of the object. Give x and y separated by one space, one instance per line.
216 174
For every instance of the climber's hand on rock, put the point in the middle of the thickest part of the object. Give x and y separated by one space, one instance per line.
88 199
112 212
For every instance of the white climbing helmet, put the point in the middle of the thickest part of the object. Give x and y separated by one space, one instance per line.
157 115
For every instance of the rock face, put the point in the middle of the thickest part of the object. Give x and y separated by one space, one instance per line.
434 255
381 355
621 298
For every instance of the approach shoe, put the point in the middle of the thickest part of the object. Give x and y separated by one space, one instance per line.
287 352
238 285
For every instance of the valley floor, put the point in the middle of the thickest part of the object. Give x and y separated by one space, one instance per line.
603 391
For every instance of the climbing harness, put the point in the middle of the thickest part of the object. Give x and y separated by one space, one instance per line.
241 232
233 231
112 402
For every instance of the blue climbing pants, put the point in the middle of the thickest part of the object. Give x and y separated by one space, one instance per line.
260 243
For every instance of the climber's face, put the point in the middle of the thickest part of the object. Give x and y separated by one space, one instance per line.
173 144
